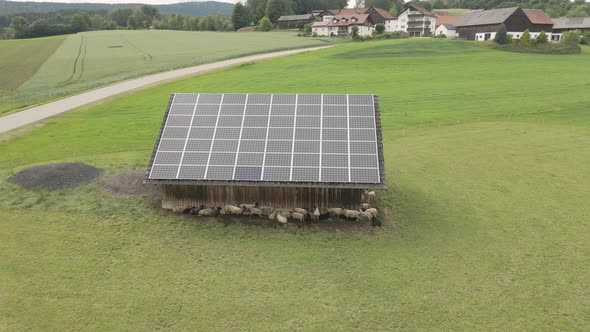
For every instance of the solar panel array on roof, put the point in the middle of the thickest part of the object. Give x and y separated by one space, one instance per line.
269 137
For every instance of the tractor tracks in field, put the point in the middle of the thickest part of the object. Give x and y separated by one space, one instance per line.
146 56
81 58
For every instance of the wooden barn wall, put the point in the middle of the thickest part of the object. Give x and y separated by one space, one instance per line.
279 197
468 33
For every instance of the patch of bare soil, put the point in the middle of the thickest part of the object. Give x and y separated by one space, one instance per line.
55 176
128 184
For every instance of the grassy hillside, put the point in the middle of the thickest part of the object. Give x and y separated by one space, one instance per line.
22 58
487 224
92 59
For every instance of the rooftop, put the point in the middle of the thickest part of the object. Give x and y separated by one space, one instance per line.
301 140
485 17
295 17
571 23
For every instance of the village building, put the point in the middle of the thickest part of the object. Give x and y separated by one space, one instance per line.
342 25
445 25
481 25
415 20
292 21
377 15
280 150
446 29
563 24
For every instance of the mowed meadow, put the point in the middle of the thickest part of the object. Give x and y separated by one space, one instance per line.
74 63
486 211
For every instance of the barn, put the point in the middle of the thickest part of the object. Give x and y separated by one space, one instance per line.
280 150
291 21
482 25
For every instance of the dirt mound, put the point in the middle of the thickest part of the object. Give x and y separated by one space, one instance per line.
129 183
55 176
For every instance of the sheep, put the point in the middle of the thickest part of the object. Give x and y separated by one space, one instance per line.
286 214
369 196
266 209
232 209
373 212
352 214
256 212
316 213
366 215
209 211
302 211
335 212
272 216
178 209
365 206
298 216
248 206
282 219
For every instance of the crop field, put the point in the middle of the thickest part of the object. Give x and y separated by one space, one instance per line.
21 59
91 59
486 211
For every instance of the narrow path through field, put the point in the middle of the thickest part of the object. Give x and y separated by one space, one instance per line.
33 114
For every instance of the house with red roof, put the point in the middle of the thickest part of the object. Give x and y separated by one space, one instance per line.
342 24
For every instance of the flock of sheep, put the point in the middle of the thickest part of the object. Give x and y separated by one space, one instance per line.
282 216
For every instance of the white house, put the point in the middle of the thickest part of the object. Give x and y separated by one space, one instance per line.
415 20
342 24
446 29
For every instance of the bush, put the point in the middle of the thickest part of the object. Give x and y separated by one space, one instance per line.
301 25
379 28
502 35
550 48
307 29
542 38
585 39
570 37
264 24
355 31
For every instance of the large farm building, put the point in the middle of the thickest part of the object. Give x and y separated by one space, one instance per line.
281 150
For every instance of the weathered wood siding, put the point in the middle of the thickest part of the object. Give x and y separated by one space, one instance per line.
279 197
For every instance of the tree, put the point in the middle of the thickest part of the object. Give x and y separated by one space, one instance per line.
109 25
501 35
120 15
579 10
355 31
240 17
264 24
39 28
97 22
4 21
8 33
525 39
379 28
307 29
276 8
19 24
79 23
542 38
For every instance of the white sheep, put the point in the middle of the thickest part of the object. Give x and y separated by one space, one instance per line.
286 214
352 214
232 209
282 219
366 215
316 213
373 212
266 209
369 196
209 211
178 209
272 216
365 206
248 206
256 212
298 216
302 211
335 212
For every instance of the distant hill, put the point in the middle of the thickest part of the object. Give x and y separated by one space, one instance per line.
185 8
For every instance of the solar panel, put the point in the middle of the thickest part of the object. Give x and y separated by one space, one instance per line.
269 137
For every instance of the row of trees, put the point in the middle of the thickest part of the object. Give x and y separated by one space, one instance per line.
142 17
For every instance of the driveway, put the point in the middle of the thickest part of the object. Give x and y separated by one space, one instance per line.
33 114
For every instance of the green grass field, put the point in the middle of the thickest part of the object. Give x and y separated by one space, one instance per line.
487 226
92 59
22 58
